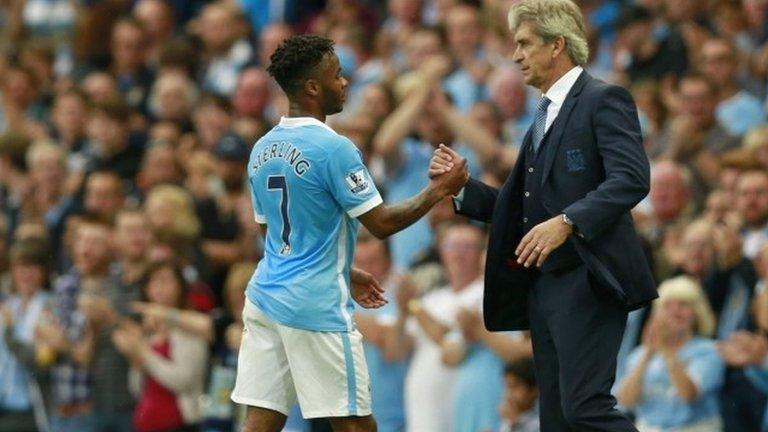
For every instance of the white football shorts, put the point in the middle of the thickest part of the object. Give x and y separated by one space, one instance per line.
277 364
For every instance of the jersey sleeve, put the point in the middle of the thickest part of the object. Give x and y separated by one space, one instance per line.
350 182
258 213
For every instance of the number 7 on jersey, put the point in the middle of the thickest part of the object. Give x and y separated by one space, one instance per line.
278 183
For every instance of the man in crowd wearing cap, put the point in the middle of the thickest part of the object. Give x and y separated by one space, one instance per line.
218 217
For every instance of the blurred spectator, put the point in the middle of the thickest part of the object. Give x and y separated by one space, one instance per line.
71 334
756 143
129 62
673 378
477 354
158 167
21 397
100 86
671 209
644 54
68 120
173 98
156 17
14 183
423 325
712 255
464 35
387 373
111 143
737 110
104 196
221 413
169 363
520 408
225 51
50 202
271 37
252 95
752 205
221 229
507 92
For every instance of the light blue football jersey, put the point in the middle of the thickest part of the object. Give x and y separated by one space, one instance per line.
308 184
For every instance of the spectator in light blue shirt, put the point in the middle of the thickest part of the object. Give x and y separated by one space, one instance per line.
19 314
737 111
387 373
673 378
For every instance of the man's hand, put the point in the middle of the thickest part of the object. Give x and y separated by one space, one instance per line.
541 240
366 290
448 171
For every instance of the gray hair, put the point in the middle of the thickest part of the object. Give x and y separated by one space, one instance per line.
553 18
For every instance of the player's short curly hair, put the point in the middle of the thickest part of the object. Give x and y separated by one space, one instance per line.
295 58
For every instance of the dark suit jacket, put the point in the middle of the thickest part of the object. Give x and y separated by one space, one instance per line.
595 171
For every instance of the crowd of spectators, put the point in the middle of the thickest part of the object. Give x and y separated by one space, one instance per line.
127 234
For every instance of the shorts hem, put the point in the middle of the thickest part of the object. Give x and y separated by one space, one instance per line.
259 403
319 414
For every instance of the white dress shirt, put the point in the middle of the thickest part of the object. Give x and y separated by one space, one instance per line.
556 94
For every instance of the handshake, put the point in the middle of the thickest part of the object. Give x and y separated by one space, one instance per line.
448 171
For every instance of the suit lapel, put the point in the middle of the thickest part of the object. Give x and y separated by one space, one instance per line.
555 133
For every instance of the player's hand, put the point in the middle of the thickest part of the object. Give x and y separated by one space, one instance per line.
366 290
455 173
441 162
541 240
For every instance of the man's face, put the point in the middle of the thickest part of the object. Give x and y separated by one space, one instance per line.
109 135
132 236
534 55
371 256
48 171
231 173
127 46
463 29
69 114
698 101
333 85
92 249
719 62
252 94
103 197
752 198
668 194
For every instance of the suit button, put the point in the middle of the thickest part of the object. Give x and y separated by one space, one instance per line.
530 170
527 194
525 220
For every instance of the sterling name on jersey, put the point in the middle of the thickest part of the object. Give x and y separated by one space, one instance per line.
308 184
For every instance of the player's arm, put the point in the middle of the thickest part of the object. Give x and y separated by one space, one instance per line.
385 220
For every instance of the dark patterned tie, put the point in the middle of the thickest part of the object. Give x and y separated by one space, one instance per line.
540 123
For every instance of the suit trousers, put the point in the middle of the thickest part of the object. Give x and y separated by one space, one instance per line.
576 334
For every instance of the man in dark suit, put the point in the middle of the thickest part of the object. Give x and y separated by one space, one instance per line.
563 256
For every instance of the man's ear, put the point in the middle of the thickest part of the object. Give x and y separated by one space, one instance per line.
558 46
312 87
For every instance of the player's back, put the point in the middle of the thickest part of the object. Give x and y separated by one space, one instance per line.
308 184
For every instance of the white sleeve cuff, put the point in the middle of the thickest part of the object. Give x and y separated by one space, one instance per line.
458 198
261 219
365 207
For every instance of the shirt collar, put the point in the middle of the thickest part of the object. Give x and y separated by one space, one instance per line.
559 90
292 122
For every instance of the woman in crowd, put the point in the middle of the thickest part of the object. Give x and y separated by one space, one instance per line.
170 361
21 404
673 377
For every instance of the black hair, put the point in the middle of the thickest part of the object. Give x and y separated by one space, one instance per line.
522 369
295 59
